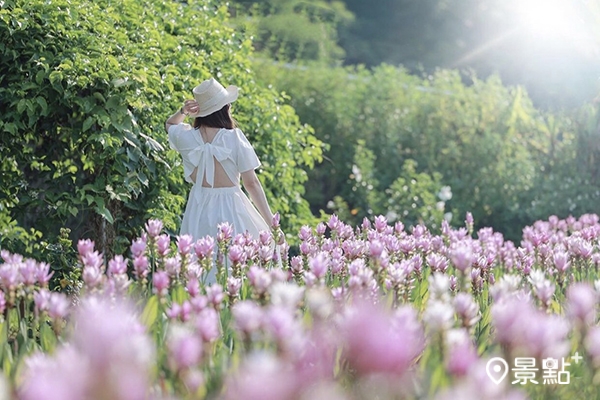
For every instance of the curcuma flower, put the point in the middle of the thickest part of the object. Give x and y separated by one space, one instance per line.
184 348
154 227
110 357
247 316
85 246
160 283
466 309
138 247
462 355
592 345
262 376
462 257
582 304
374 344
438 316
184 244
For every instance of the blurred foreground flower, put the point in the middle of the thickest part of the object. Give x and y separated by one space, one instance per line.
109 357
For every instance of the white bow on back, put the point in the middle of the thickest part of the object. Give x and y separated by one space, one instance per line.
202 157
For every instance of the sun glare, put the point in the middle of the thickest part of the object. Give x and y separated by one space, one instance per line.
549 17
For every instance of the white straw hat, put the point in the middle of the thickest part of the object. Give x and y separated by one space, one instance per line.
212 96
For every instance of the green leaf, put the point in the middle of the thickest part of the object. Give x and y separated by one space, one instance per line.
47 337
89 121
42 102
105 213
55 76
150 313
179 295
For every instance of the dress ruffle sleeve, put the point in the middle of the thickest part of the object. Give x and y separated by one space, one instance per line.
246 158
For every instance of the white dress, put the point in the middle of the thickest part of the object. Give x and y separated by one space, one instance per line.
207 207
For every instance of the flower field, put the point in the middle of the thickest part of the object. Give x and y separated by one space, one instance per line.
365 312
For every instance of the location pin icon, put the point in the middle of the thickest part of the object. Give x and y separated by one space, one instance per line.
497 368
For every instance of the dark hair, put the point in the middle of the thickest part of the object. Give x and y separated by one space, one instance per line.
218 119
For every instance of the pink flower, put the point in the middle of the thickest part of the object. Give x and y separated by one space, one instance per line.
466 309
173 266
265 238
296 264
84 246
184 244
333 222
259 279
41 299
437 262
117 266
275 221
380 223
204 247
174 312
66 375
528 331
262 376
92 259
469 219
163 245
154 227
376 249
305 233
138 247
92 276
319 264
582 303
140 267
233 286
224 232
208 324
461 357
109 336
58 306
321 228
193 286
214 294
398 227
160 281
561 260
236 254
43 273
28 272
184 348
279 322
592 345
462 257
265 253
375 344
306 248
247 316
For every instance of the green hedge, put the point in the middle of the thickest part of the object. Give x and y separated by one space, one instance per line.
85 87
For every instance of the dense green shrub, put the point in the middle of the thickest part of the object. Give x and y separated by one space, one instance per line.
488 142
85 87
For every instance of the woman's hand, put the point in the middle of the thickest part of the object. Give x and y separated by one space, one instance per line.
190 107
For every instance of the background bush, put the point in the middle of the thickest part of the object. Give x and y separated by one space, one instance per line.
85 88
504 160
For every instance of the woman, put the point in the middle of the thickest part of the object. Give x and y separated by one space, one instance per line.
215 154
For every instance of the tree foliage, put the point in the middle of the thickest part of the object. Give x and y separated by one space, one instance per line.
499 155
294 30
85 88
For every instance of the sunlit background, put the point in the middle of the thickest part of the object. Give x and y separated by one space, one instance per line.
550 46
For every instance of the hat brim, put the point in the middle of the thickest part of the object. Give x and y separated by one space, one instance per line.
232 95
